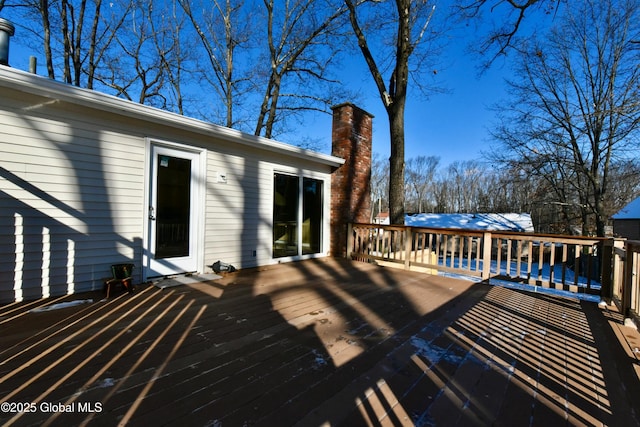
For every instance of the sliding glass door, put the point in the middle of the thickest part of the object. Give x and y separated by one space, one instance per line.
297 215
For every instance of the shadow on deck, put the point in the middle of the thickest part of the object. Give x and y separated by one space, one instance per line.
324 342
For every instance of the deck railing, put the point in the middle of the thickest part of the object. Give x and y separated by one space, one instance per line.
604 267
625 285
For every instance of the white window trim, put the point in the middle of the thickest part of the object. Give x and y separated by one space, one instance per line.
326 213
201 183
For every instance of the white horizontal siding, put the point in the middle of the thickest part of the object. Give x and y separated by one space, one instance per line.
232 208
71 200
72 194
240 213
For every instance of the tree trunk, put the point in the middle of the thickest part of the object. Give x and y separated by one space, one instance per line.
77 50
396 163
599 208
264 108
66 39
44 13
91 55
398 91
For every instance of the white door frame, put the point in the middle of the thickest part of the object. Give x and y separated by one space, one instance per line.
194 261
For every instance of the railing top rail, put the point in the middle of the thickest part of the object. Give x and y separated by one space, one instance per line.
632 245
560 238
382 226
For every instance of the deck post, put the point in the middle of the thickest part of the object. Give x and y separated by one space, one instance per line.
350 240
606 278
627 281
486 255
407 247
617 275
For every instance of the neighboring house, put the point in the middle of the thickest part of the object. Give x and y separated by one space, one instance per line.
467 221
88 180
480 221
519 222
626 222
381 218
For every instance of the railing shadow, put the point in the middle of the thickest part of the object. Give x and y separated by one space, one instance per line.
311 343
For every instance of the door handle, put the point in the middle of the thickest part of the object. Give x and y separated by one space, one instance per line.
152 215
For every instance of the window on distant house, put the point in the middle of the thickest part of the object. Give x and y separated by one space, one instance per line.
297 215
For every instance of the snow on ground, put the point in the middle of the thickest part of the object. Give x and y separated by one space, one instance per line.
60 305
521 222
480 221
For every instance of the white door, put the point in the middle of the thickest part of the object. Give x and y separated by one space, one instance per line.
174 211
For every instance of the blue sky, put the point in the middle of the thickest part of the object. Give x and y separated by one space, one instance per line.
453 125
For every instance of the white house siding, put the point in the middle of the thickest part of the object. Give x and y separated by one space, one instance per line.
239 213
236 211
71 198
73 187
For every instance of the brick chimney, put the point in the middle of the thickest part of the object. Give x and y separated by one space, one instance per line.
351 182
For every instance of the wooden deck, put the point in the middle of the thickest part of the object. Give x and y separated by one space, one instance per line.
324 342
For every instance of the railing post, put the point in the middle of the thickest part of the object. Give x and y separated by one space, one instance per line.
486 255
606 269
617 275
627 283
349 240
408 244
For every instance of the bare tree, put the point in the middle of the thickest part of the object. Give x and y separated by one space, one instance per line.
506 189
73 35
511 18
33 17
474 186
420 175
576 105
301 47
76 47
222 30
625 184
46 31
283 50
174 48
135 69
379 185
406 23
146 62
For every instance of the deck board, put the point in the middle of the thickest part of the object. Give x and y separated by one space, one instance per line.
321 342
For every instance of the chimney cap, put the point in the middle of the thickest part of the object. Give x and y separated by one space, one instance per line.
352 105
7 27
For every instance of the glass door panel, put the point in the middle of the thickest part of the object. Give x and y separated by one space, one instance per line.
285 215
174 211
311 216
173 207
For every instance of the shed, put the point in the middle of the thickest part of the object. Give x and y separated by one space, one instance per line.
626 222
88 180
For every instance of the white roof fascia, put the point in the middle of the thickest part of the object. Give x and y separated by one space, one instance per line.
37 85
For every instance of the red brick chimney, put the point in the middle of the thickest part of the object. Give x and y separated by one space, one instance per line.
351 182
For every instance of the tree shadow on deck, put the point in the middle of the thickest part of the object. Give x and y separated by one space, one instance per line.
324 341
